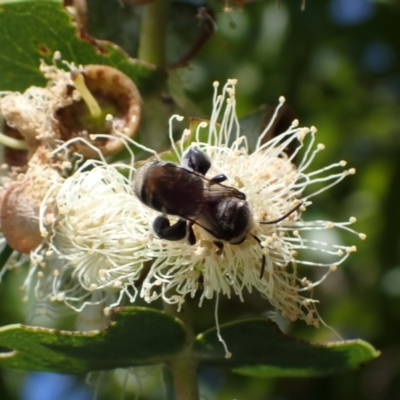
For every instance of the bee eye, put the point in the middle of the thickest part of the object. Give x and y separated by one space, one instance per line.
233 217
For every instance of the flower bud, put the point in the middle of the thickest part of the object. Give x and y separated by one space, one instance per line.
20 217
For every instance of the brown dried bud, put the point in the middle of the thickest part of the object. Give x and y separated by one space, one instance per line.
20 217
116 95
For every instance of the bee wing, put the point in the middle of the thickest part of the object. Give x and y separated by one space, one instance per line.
218 202
216 191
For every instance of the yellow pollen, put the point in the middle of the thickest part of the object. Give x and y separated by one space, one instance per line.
333 268
56 272
60 296
102 273
351 249
304 282
38 259
321 146
352 220
106 311
362 236
44 233
92 286
302 134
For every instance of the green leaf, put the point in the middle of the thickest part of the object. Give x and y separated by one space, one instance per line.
136 336
260 349
34 30
5 255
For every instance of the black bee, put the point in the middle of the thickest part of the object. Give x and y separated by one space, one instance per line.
184 191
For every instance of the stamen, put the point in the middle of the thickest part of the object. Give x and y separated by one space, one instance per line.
228 354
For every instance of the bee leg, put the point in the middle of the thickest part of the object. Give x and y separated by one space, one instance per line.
165 230
218 179
262 266
220 247
196 160
190 234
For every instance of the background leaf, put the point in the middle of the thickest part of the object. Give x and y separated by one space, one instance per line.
260 349
34 30
136 336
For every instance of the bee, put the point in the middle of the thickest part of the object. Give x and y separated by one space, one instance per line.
184 191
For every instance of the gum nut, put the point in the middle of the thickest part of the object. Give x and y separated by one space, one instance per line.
20 218
116 95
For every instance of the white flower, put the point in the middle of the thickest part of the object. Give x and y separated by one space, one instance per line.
102 238
98 242
274 185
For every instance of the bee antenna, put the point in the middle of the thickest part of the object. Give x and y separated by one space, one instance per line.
263 260
274 221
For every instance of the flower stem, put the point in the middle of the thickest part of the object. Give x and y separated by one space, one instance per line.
153 32
184 367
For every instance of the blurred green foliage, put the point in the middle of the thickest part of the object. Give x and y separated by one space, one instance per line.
338 65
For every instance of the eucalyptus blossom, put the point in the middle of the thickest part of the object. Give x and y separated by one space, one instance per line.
101 245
